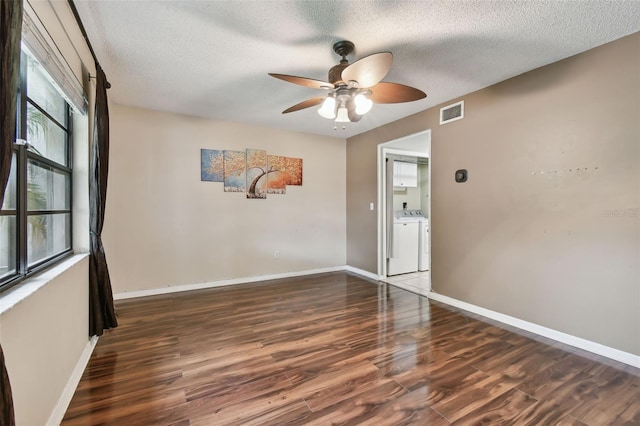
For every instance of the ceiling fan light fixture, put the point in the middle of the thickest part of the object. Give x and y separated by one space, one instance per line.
328 108
363 104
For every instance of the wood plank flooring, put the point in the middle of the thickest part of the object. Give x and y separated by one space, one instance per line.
337 349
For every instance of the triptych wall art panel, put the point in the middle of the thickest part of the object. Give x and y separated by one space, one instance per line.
252 171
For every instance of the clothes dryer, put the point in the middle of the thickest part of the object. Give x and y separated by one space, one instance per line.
424 258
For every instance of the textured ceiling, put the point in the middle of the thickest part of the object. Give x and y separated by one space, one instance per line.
211 58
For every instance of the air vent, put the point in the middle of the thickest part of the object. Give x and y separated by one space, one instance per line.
452 112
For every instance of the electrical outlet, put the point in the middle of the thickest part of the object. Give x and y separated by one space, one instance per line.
276 255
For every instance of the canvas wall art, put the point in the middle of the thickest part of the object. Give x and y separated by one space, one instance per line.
293 168
211 165
257 171
235 171
278 178
253 171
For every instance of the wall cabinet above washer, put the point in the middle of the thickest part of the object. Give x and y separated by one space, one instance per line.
405 175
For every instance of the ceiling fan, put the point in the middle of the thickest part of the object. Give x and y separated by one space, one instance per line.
352 89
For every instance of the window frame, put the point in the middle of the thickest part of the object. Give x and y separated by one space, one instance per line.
23 157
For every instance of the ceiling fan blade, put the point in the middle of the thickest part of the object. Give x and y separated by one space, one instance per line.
369 70
304 104
302 81
393 93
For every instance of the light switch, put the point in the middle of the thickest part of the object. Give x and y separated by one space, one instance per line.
372 206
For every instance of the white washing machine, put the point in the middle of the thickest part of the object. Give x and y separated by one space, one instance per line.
424 259
405 251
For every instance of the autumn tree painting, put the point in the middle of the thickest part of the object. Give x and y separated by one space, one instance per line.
293 168
252 171
257 170
277 180
211 165
285 171
234 171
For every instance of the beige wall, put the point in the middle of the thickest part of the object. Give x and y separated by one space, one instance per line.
164 227
559 248
43 338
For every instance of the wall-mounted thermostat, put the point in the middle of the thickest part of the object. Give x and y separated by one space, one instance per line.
461 175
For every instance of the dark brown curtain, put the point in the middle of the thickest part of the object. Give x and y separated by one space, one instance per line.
6 402
10 33
102 314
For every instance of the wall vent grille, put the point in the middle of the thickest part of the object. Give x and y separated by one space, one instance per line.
452 112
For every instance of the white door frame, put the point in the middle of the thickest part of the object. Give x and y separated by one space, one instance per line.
385 149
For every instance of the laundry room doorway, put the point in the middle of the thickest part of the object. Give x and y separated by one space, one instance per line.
404 214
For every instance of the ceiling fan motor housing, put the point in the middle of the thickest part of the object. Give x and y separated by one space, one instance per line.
342 48
335 73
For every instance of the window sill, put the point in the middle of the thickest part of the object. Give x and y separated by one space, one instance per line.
22 291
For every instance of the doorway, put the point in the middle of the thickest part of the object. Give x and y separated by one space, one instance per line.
413 149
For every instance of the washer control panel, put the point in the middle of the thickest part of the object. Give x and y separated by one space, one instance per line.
409 214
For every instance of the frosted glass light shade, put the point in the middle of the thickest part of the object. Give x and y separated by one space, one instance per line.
328 108
363 104
343 115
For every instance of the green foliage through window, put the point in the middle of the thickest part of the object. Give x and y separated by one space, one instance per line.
35 218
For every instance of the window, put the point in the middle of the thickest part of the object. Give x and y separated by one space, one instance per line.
35 218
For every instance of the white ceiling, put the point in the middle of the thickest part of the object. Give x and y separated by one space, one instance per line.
211 58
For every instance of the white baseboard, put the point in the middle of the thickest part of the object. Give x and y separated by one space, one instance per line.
222 283
67 393
578 342
362 272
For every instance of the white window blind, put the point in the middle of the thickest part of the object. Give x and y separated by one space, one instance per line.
37 43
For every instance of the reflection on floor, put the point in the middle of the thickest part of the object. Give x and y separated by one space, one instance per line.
417 282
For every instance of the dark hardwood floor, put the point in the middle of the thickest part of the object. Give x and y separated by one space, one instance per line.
337 349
